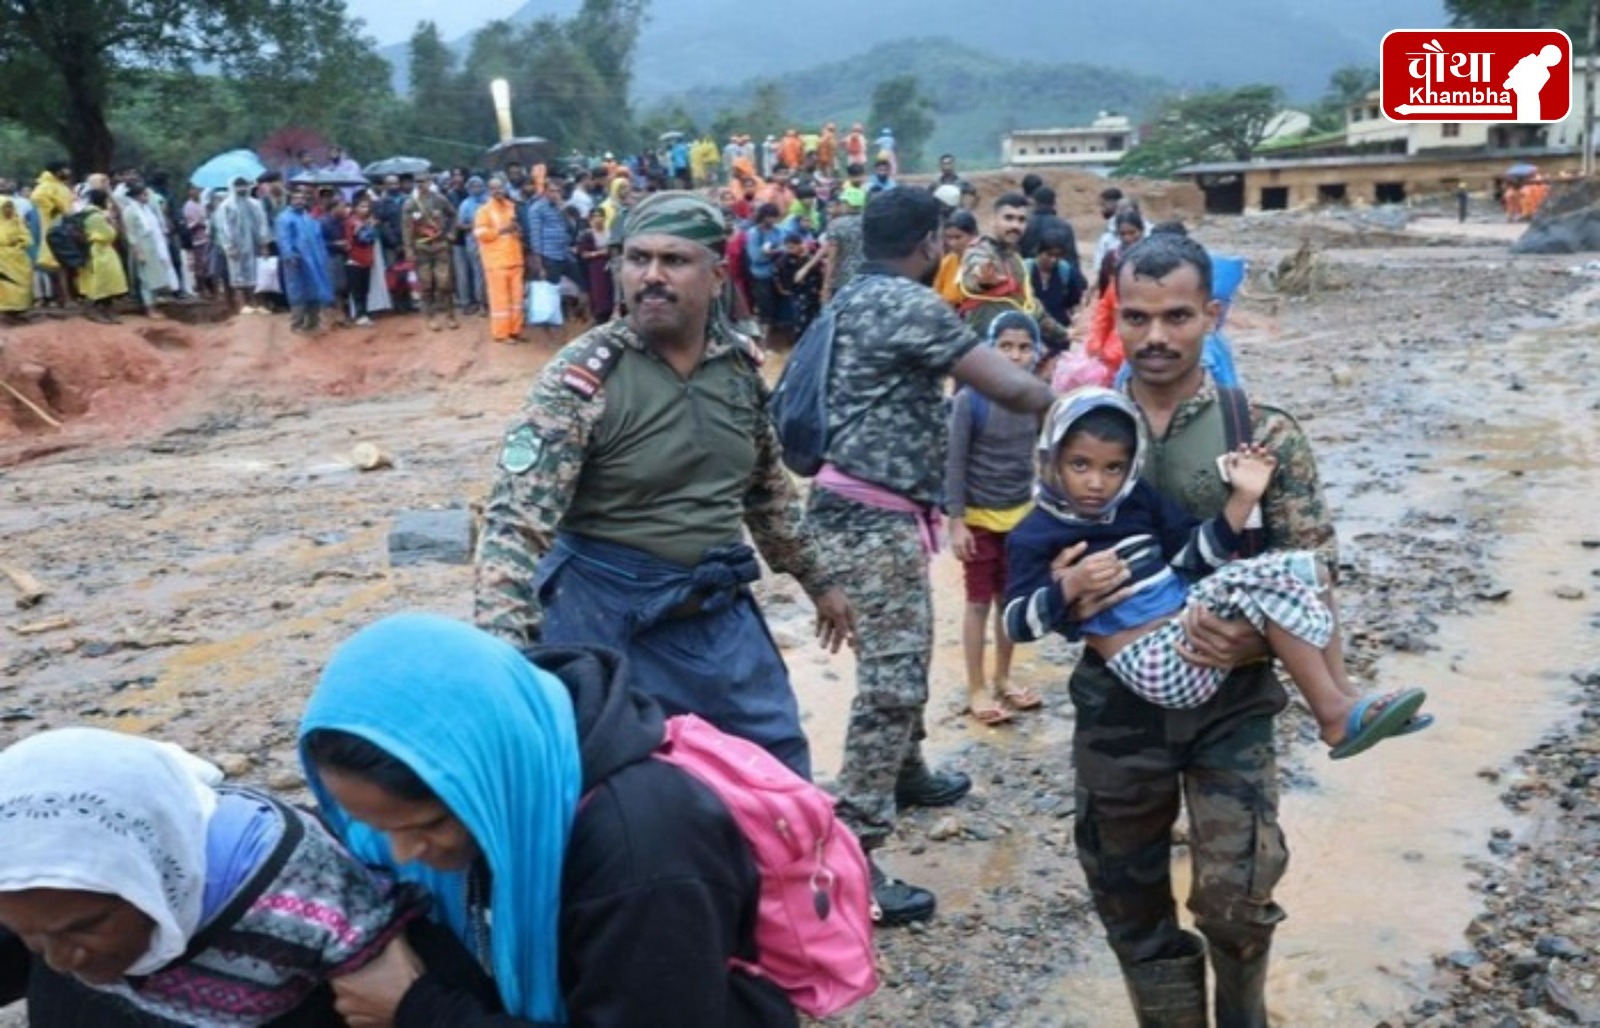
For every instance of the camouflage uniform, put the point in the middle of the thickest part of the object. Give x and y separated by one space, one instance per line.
1137 762
995 280
894 344
575 464
428 228
846 251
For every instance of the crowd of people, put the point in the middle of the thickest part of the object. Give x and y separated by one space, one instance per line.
515 856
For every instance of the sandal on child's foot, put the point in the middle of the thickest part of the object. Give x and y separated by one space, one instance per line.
1020 697
988 712
1389 715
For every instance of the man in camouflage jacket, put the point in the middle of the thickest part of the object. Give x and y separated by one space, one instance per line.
625 484
1137 763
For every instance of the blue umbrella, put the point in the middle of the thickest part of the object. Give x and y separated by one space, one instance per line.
220 171
1521 171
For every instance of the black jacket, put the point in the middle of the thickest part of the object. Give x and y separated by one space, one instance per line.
1038 221
659 890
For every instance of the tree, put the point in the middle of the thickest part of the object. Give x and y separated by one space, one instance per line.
1347 85
1223 124
897 104
1570 16
62 61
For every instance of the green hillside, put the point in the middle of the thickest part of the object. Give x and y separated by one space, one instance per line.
977 96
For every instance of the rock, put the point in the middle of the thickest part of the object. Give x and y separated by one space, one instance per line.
368 457
785 638
1569 592
1342 376
444 536
1493 593
234 765
284 780
944 829
1464 959
1558 947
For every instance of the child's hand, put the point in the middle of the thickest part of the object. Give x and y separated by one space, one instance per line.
1087 580
1250 469
962 544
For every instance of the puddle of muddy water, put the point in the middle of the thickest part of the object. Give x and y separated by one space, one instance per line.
1379 881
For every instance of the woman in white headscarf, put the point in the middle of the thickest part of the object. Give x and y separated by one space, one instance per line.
136 889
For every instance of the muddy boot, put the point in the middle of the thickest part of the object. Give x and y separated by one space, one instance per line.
1241 998
297 319
450 317
1170 993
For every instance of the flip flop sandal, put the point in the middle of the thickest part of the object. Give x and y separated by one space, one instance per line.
990 716
1416 724
1361 734
1022 698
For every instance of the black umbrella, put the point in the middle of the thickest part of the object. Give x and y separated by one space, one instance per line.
396 166
325 177
524 150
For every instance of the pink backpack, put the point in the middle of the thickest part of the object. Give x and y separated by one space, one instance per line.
814 925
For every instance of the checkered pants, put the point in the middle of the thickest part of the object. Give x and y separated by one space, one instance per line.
1277 587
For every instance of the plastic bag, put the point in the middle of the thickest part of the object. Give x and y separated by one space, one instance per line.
1075 369
267 275
544 303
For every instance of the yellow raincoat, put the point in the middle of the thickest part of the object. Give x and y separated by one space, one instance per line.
103 277
53 200
16 271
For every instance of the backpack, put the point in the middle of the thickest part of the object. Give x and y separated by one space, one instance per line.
799 403
69 240
813 929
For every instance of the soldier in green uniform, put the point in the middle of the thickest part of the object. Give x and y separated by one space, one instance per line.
875 508
625 484
1136 762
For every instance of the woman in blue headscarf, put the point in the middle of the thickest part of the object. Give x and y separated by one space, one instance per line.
444 753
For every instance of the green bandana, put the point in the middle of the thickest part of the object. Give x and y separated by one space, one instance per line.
680 214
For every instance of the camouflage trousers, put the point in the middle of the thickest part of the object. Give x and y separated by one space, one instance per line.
1134 763
877 556
434 285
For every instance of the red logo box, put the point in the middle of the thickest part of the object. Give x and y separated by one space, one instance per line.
1522 75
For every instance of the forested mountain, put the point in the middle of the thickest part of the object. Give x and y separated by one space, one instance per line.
1290 43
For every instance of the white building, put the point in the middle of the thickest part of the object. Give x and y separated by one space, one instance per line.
1099 145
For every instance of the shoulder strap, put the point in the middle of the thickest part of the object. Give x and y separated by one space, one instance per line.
1235 416
1238 430
592 365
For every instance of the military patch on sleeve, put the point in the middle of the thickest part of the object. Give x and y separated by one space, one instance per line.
522 450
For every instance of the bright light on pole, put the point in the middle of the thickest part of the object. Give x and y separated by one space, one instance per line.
500 90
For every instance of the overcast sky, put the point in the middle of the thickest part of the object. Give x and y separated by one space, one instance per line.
393 21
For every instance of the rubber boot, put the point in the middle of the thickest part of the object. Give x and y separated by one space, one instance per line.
1170 993
1241 989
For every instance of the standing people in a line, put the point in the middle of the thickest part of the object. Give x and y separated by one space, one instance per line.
874 508
624 488
102 279
52 199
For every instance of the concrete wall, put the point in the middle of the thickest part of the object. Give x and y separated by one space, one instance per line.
1418 177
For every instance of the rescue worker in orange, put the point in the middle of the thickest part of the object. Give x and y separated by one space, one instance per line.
500 243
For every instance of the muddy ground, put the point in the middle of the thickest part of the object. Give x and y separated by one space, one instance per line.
206 542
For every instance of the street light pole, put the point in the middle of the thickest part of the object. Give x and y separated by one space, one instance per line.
1588 89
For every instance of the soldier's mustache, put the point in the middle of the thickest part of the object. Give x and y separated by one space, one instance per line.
1156 351
656 293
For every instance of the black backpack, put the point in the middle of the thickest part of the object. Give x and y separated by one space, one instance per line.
799 404
69 241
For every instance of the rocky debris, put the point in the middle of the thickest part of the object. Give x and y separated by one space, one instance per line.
369 457
1568 222
442 536
29 590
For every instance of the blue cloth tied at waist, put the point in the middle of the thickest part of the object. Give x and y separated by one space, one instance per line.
694 637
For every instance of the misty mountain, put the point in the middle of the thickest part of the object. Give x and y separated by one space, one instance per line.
976 96
1290 43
